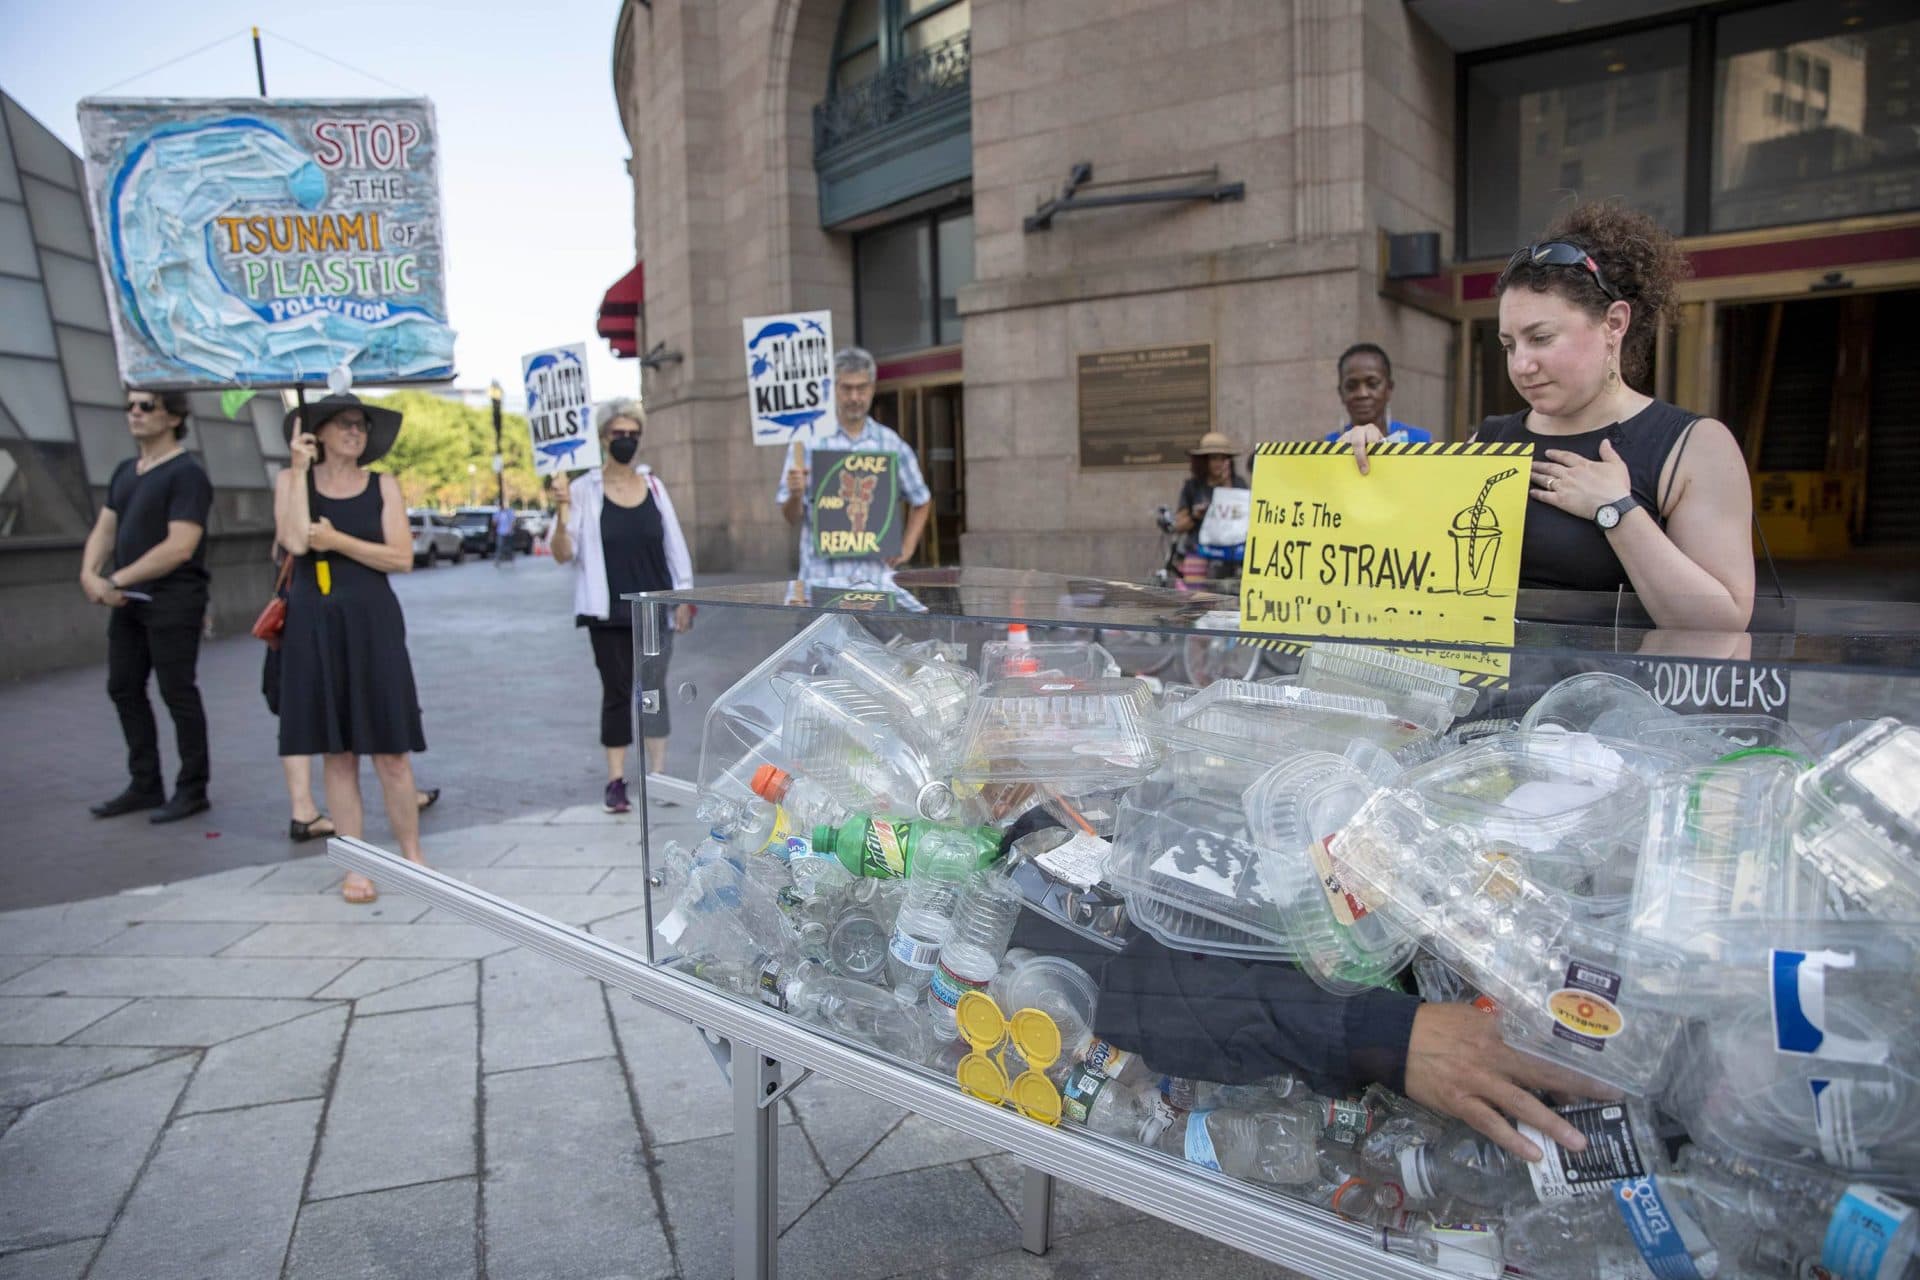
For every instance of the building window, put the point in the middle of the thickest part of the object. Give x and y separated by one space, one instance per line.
907 279
877 34
1835 146
1601 105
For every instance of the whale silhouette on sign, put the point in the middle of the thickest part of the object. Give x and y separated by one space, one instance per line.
778 329
795 422
535 365
562 451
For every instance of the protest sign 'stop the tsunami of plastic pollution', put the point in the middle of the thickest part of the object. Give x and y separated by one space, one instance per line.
264 243
560 410
790 376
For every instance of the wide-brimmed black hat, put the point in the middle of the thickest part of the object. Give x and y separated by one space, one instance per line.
383 425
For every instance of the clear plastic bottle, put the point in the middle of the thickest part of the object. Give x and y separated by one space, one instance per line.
724 913
1136 1110
807 803
1280 1148
983 922
933 696
857 1011
941 866
1589 1238
846 740
885 848
1464 1166
1349 1187
1775 1222
1459 1248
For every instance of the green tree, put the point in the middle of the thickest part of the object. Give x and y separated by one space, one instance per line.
439 439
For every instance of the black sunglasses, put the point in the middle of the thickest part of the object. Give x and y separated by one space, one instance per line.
1558 253
142 406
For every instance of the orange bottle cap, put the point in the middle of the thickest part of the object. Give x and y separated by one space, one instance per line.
770 782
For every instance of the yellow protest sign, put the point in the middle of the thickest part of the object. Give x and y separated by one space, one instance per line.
1426 547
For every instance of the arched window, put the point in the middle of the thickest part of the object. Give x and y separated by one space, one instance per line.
877 34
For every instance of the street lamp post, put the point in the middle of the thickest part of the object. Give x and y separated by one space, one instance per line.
499 459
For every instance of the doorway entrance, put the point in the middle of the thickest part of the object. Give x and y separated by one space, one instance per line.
1819 388
930 418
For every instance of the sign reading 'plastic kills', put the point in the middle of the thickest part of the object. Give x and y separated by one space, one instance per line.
264 243
1425 548
790 376
560 410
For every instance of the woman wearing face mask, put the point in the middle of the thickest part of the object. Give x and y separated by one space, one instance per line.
617 529
1628 492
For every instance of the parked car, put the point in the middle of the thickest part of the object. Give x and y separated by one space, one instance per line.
534 523
435 539
476 528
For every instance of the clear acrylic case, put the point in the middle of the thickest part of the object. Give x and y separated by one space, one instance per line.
1858 827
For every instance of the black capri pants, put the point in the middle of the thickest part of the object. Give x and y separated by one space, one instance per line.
619 694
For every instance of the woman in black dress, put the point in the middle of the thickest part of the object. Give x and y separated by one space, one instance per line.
617 528
346 682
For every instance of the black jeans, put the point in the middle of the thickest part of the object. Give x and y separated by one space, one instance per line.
162 639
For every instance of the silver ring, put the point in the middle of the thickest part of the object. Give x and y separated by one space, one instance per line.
1551 483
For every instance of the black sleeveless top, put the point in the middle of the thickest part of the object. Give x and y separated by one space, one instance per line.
1564 552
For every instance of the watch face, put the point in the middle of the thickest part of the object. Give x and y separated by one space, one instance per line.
1607 517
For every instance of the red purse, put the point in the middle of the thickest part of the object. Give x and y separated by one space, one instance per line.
273 619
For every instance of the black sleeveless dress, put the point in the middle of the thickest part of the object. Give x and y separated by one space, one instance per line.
1564 552
346 683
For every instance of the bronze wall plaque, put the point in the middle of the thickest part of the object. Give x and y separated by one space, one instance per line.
1144 406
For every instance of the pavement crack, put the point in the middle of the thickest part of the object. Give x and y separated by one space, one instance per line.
146 1162
648 1160
319 1135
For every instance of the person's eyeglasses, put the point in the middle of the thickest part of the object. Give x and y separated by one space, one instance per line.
351 424
142 406
1558 253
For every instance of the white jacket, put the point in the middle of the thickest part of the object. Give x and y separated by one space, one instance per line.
587 495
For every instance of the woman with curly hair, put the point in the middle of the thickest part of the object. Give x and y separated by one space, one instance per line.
1629 492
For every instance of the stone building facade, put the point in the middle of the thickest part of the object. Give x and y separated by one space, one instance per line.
885 159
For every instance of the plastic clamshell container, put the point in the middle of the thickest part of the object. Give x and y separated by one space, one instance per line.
1284 712
1416 689
1074 659
1718 843
1079 735
1570 991
1813 1054
1296 811
1568 804
1858 827
1703 739
1192 877
1596 702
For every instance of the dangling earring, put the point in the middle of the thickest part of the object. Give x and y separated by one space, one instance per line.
1613 377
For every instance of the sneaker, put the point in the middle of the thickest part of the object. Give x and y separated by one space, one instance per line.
616 797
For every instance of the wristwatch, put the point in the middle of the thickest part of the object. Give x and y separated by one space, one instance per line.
1614 512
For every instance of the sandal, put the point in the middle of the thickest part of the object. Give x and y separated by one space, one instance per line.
358 890
303 831
425 799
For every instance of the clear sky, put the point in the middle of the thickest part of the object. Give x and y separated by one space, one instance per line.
537 204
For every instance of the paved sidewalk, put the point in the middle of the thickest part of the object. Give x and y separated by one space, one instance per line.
240 1075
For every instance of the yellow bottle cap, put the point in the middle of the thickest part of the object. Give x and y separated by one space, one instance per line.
1036 1098
979 1019
1036 1037
982 1077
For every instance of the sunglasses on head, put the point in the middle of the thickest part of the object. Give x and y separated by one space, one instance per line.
142 406
1558 253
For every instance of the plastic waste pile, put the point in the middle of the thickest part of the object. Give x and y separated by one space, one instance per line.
1711 919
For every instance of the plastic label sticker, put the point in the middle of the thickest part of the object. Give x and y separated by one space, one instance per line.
883 855
1611 1152
1862 1235
1348 1120
797 847
1080 861
948 986
1467 1249
1654 1229
1584 1010
672 927
1346 905
913 952
1200 1143
1104 1059
1078 1093
1800 1009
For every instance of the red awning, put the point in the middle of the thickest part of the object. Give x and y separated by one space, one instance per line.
620 312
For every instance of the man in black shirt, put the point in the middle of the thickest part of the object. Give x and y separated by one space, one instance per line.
146 560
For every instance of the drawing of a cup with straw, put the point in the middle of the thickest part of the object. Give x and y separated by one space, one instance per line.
1476 541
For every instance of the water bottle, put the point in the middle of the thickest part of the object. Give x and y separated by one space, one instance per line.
846 740
885 847
942 862
1639 1227
857 1011
807 803
724 913
983 921
1465 1166
1280 1148
933 696
1780 1222
1137 1111
1345 1184
1460 1248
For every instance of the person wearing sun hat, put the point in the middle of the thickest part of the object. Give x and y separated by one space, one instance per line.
346 683
1213 469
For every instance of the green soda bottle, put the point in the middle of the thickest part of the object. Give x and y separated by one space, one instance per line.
883 847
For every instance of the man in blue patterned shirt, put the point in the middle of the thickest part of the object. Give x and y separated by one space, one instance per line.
853 377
